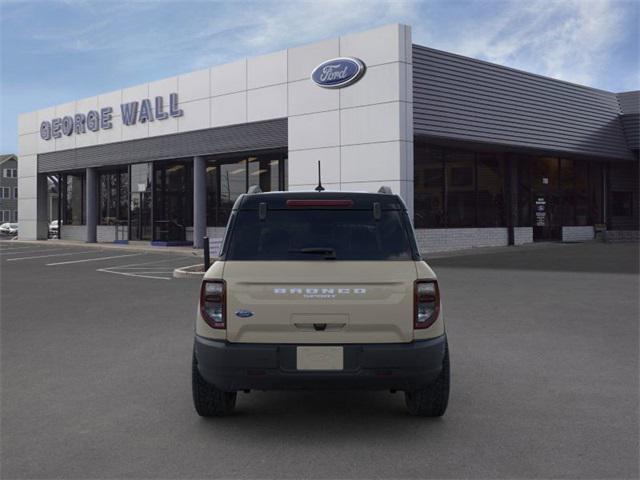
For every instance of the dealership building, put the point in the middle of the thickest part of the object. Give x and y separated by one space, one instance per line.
482 154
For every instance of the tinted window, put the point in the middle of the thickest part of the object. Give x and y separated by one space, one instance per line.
491 208
461 189
428 187
350 234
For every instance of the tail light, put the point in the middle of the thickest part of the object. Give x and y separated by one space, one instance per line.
426 303
212 303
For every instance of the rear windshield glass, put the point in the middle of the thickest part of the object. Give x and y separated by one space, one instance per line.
319 235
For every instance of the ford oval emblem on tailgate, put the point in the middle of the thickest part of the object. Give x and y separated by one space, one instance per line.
244 314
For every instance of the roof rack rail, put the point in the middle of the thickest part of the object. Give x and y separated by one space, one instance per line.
254 189
385 189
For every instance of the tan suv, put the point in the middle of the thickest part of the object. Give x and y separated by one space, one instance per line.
320 290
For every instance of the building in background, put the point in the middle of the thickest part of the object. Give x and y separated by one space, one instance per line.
9 188
483 155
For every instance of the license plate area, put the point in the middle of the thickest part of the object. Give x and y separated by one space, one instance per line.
320 358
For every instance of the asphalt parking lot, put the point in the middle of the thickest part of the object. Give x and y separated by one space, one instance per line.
96 376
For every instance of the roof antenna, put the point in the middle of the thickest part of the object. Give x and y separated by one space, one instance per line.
319 188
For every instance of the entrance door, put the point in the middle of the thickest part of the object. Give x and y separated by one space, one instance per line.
140 220
546 201
172 201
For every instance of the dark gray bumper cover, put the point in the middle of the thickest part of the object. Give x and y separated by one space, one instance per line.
247 366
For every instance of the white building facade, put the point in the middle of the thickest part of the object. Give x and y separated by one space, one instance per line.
164 161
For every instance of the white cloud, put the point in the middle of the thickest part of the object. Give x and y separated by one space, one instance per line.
269 26
569 40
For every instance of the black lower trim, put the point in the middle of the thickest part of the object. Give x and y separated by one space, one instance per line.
255 366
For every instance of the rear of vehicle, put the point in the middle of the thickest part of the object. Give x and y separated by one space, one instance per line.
320 290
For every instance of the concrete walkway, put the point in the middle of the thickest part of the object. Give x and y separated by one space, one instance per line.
131 246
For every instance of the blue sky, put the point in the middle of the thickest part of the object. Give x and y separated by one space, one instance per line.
57 51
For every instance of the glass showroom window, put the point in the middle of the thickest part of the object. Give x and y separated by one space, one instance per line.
113 197
523 165
572 188
491 199
581 196
456 188
623 212
73 199
228 178
173 200
429 187
596 193
460 189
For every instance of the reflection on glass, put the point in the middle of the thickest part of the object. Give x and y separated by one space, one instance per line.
141 177
228 178
74 200
113 197
173 201
460 176
429 187
123 205
491 204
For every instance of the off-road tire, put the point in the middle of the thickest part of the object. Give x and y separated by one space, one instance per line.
432 400
207 399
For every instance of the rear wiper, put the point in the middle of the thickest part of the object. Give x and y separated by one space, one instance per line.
330 253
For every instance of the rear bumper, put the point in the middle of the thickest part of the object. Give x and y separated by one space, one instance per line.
255 366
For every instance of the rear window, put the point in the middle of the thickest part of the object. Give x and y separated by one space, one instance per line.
319 235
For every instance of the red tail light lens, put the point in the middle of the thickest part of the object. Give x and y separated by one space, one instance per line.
213 298
426 303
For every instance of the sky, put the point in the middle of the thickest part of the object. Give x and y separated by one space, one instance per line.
55 51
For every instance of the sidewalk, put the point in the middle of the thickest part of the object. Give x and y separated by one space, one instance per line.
502 249
130 247
192 252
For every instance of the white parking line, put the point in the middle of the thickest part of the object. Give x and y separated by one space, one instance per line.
92 259
39 250
52 255
126 274
15 249
143 270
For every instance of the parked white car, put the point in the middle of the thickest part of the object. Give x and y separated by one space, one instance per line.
9 228
54 229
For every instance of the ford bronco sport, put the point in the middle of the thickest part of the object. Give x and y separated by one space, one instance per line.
320 290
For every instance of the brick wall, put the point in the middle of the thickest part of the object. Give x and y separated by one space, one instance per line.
74 232
106 233
522 235
616 236
577 234
448 239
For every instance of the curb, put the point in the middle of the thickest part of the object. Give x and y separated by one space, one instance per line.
186 251
188 272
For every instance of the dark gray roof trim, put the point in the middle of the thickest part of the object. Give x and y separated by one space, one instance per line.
236 138
630 108
631 127
629 102
461 98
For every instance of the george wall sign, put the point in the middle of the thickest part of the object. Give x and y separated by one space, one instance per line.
94 120
338 72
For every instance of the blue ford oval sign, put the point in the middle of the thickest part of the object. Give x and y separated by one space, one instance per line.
338 73
244 313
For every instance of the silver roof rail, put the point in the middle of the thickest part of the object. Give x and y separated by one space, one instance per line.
254 189
385 189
